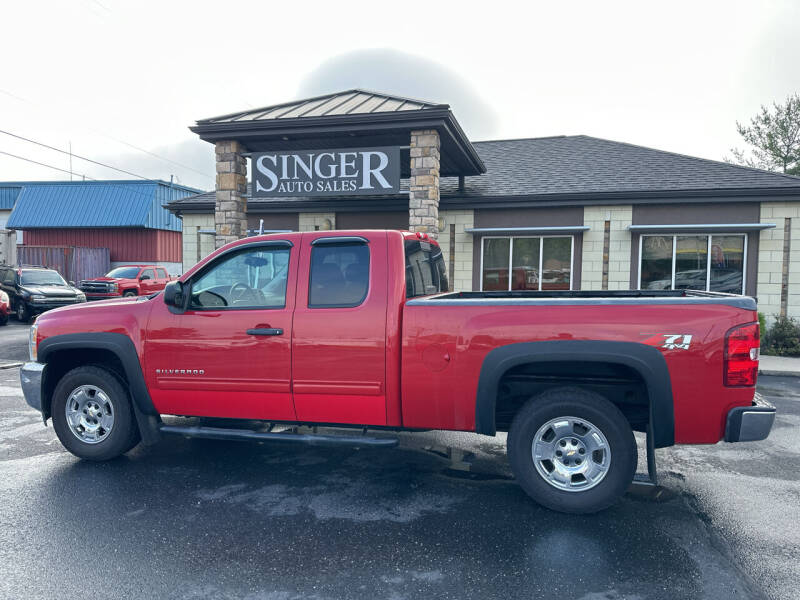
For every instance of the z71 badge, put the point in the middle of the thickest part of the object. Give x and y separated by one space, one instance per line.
671 341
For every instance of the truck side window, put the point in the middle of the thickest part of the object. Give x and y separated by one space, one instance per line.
425 272
339 275
162 273
147 274
251 278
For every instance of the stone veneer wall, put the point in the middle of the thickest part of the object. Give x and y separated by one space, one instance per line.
314 221
196 246
461 279
423 199
619 247
231 205
771 249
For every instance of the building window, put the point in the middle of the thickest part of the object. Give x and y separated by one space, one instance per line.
526 263
693 262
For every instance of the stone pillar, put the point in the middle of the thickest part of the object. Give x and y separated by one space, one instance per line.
423 201
230 213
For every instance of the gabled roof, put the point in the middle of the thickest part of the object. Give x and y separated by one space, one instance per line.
349 102
563 170
350 119
115 203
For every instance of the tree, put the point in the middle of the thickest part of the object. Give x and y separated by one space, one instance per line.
774 138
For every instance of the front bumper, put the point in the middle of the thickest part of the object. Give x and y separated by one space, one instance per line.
30 375
109 296
40 307
750 423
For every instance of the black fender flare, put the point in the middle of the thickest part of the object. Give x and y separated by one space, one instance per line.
646 360
123 348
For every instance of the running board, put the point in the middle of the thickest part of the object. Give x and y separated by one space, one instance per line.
221 433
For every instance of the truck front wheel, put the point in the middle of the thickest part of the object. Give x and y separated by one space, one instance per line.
128 293
572 450
92 414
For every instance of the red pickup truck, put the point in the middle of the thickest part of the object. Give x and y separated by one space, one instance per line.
128 280
355 329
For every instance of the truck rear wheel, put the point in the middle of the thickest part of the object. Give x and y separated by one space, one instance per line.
572 450
92 414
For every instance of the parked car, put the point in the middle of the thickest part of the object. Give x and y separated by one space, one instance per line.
5 307
128 280
33 290
353 329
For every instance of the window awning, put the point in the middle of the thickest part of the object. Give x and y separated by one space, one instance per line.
523 230
701 228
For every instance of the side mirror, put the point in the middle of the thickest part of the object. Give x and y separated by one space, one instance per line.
143 277
173 294
72 283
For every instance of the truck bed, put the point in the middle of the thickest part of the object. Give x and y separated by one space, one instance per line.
602 297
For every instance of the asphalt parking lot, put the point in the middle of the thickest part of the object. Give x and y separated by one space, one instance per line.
206 519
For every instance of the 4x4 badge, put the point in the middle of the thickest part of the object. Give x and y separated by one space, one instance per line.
671 341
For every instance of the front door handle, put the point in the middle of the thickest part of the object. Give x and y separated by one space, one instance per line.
265 331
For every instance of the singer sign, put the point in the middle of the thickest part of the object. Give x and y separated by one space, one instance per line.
345 172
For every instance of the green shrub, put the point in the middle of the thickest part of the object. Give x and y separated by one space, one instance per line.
783 338
762 323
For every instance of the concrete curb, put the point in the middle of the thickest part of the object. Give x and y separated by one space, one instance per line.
10 365
778 373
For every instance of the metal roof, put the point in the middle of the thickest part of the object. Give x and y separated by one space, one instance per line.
349 119
349 102
570 170
8 196
115 203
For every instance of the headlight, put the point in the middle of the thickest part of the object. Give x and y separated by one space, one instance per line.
114 287
80 297
3 297
37 297
33 342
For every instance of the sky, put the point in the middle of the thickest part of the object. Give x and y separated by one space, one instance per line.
121 82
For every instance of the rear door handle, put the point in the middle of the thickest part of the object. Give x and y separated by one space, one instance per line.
264 331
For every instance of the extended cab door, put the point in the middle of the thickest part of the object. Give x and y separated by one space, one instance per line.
339 337
147 282
229 353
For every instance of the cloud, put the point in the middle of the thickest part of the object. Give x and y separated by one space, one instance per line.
403 74
193 153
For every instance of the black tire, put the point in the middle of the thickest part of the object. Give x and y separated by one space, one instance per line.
128 293
123 435
23 312
3 320
600 413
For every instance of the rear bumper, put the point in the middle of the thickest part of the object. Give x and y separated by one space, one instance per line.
30 376
750 423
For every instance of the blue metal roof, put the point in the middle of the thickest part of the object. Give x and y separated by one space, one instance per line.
8 196
48 204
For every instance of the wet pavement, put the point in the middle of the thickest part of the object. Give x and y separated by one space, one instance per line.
213 519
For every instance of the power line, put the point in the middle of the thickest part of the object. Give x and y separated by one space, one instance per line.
36 162
118 140
71 154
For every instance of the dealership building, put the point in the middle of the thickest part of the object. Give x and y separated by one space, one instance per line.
554 213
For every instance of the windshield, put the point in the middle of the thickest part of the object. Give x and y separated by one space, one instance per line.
124 272
42 278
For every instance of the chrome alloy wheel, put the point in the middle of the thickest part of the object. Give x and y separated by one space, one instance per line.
90 414
571 454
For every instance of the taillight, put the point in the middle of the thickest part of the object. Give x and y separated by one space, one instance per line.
741 355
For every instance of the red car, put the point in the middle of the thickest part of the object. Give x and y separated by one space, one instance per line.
128 280
5 307
355 329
